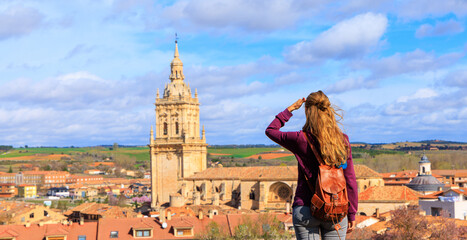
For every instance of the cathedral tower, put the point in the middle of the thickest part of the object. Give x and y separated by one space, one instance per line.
178 150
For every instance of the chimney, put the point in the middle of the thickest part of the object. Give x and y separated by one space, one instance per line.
41 224
377 212
162 215
210 214
81 220
169 215
200 214
28 224
287 208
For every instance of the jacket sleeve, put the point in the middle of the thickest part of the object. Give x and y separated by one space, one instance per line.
352 189
285 139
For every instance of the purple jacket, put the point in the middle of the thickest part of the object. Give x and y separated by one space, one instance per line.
307 163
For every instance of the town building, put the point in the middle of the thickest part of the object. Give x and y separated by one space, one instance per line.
84 192
56 231
8 190
80 179
452 201
385 198
454 177
27 213
59 192
425 182
27 191
367 177
177 150
94 211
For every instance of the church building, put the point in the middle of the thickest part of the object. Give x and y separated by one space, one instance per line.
177 150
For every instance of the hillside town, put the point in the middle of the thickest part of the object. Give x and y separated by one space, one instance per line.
182 198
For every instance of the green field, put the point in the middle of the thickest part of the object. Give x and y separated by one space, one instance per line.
241 152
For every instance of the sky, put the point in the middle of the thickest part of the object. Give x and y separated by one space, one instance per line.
86 72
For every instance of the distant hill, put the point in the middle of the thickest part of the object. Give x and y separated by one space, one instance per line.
436 141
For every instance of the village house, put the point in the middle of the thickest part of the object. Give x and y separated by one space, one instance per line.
8 190
452 201
186 227
22 213
95 211
56 231
385 198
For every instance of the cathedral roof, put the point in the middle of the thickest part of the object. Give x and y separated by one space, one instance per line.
267 173
425 183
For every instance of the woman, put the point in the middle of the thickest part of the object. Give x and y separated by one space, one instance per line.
327 138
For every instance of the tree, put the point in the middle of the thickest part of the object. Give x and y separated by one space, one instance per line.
10 170
115 147
213 231
406 223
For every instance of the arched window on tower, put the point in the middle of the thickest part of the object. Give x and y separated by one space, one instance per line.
423 169
165 128
176 128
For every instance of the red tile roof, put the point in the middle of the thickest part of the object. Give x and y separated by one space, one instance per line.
36 232
389 193
267 173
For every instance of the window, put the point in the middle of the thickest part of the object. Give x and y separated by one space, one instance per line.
81 237
114 234
176 128
143 233
165 128
31 215
184 232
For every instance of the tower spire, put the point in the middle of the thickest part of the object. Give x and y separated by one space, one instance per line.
176 73
176 46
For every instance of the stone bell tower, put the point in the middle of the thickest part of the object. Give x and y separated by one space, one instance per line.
178 150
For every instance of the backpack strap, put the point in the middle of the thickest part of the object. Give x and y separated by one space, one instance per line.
317 155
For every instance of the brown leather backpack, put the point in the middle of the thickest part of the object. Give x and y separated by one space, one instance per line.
329 201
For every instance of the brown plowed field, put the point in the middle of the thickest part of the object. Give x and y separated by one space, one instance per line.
270 155
53 157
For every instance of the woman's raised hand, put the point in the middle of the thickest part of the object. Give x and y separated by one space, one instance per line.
296 105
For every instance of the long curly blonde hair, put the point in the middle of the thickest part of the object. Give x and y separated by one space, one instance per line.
321 122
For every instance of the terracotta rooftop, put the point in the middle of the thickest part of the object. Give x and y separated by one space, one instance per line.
389 193
266 173
405 174
36 232
362 171
103 210
449 172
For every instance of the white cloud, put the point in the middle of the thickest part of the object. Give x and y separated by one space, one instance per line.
247 15
402 63
419 9
349 84
439 29
456 79
347 39
419 94
17 21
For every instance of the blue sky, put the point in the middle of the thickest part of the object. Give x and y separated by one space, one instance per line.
86 72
